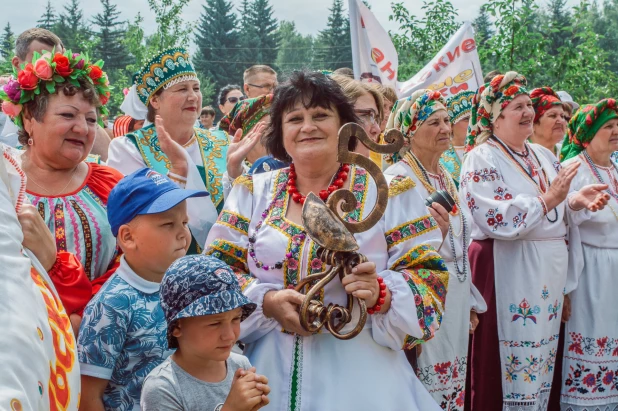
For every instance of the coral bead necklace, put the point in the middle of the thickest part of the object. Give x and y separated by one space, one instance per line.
336 184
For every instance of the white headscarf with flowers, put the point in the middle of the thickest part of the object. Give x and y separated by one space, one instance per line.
409 114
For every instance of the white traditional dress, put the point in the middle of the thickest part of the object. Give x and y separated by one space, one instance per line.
320 372
39 359
206 155
530 267
590 370
443 363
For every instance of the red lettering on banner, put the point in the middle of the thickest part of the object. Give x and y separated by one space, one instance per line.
453 56
468 45
439 63
457 89
377 55
387 68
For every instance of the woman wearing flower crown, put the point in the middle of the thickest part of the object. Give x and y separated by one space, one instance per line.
55 101
260 234
426 125
590 369
517 196
169 89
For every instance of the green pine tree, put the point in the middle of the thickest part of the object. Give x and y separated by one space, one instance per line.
335 45
260 42
71 28
558 23
110 34
295 50
7 43
48 19
483 32
217 44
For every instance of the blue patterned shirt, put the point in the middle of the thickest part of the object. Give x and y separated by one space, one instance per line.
123 337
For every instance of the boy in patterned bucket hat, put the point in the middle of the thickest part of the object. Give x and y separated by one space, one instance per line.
203 307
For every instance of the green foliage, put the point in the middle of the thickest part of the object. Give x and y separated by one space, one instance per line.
582 65
296 51
419 39
172 30
217 44
71 29
110 35
7 42
258 38
48 19
335 47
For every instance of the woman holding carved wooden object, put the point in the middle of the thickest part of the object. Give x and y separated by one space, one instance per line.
260 233
425 123
516 195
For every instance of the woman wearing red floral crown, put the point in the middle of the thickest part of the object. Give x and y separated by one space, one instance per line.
55 101
517 196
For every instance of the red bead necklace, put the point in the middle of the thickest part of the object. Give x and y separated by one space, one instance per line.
335 185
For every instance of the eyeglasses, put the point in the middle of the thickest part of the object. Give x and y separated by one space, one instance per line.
235 100
368 116
268 87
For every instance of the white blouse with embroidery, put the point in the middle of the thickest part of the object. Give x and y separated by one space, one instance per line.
402 245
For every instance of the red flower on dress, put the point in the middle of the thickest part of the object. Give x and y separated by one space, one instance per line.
442 368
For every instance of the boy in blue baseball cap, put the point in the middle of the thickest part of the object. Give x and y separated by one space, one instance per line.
123 331
203 306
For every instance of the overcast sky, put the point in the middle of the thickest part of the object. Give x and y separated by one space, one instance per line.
310 16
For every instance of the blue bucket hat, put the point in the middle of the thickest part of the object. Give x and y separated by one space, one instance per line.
144 192
197 285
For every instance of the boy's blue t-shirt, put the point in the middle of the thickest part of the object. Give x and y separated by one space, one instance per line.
122 337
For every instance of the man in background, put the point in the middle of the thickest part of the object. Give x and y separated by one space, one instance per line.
259 80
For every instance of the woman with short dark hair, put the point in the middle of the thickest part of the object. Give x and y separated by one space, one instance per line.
228 97
260 234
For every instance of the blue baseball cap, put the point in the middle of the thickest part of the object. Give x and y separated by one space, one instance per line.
144 192
196 285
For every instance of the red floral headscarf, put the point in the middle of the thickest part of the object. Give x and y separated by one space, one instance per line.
543 99
489 102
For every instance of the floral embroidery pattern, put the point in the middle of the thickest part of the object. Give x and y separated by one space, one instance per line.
427 276
410 230
525 311
530 344
520 220
447 376
400 184
557 166
545 293
471 203
235 257
359 188
234 221
554 309
87 237
599 347
502 194
495 219
543 391
598 379
530 368
455 400
61 241
484 175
